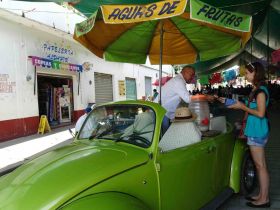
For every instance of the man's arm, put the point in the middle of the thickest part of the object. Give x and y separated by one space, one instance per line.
210 98
183 93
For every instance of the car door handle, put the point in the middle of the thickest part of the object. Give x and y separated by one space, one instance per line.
211 149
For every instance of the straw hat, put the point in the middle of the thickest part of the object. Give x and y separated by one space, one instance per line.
184 114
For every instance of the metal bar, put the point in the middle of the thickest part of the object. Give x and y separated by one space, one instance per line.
267 49
160 59
35 79
251 57
79 79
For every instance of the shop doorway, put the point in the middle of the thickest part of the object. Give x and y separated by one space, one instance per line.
131 93
55 99
148 87
103 88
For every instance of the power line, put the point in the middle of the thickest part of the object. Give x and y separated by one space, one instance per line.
33 10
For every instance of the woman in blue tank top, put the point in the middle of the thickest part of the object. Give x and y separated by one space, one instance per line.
257 129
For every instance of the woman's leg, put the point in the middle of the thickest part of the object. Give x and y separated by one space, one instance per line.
258 156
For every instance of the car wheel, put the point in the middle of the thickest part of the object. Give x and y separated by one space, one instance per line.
248 175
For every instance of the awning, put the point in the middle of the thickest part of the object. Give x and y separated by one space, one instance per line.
47 63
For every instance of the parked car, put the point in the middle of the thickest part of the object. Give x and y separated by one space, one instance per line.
117 162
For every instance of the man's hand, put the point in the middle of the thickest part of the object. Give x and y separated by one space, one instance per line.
210 98
222 99
237 105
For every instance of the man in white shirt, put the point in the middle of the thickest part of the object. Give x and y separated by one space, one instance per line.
144 124
82 119
173 92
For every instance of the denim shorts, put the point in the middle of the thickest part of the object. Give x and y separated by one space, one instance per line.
257 141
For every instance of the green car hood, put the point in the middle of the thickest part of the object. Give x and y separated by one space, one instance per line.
50 180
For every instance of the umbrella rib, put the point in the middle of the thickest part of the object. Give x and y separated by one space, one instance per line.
185 37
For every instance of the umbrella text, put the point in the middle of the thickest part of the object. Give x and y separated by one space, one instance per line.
216 16
137 13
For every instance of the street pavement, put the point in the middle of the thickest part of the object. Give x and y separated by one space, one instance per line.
15 152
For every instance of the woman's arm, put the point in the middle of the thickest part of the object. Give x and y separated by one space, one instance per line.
261 106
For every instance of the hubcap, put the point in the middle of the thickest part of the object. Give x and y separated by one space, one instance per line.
250 174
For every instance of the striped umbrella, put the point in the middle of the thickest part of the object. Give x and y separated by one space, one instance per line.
163 80
131 33
185 39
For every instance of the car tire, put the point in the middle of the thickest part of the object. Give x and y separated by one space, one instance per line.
248 175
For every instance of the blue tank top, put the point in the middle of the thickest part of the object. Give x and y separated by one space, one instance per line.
256 126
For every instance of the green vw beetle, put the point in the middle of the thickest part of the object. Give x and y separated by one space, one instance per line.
120 161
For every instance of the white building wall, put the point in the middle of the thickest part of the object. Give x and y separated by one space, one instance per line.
24 38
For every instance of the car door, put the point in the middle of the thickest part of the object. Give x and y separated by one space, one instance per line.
225 145
186 176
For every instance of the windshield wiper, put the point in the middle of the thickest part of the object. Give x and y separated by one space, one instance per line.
102 134
95 132
98 135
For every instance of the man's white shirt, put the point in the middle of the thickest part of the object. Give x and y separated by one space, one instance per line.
172 93
80 122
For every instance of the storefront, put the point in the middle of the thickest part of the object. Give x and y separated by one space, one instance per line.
47 73
55 99
148 87
103 87
55 89
131 91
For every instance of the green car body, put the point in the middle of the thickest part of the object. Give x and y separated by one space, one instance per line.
103 174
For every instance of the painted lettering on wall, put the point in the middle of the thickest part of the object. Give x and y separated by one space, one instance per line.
57 52
46 63
6 86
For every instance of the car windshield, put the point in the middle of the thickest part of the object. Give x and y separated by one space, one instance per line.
133 124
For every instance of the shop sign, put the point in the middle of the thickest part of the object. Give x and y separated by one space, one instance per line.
57 52
46 63
87 66
116 14
85 26
206 13
121 87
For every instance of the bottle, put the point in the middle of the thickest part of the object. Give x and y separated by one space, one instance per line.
199 106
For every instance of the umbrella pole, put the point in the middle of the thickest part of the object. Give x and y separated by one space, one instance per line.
35 80
267 49
160 59
79 79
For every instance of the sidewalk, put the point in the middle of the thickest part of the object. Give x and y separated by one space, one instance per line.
15 152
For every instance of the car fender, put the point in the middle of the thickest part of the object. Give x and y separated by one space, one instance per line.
239 151
106 201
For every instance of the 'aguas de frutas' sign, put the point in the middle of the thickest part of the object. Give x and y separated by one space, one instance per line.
118 14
